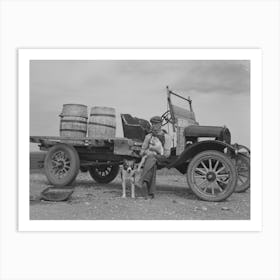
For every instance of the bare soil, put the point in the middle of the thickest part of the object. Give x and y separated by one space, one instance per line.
94 201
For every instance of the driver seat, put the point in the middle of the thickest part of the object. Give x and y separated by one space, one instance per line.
135 128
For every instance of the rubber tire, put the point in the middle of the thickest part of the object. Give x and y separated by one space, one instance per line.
74 165
222 157
104 179
246 185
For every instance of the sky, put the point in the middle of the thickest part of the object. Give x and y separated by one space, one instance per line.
220 90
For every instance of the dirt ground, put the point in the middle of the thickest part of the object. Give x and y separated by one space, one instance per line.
173 201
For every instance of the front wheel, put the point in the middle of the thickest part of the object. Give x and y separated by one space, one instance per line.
104 174
243 171
211 176
62 165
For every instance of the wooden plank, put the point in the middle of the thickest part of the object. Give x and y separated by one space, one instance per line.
118 146
37 160
37 139
86 141
123 147
180 140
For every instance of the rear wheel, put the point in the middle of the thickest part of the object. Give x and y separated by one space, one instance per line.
62 165
104 174
212 176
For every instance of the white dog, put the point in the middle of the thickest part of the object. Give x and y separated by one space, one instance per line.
128 172
155 147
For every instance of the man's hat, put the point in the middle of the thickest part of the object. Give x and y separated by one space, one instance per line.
156 119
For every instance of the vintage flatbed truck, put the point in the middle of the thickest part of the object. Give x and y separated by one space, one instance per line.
214 168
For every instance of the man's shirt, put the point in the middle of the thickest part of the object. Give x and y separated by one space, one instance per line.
166 147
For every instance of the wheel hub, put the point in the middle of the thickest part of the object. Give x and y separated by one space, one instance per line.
211 176
60 164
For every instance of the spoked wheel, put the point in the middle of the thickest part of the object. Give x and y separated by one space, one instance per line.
62 165
104 174
243 173
212 176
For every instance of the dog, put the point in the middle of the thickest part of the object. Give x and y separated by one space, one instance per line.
128 172
155 148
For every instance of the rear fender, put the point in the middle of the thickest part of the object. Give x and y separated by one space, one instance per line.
192 150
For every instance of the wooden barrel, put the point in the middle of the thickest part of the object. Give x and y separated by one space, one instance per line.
73 122
102 122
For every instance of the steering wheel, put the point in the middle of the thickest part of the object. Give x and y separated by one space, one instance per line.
166 118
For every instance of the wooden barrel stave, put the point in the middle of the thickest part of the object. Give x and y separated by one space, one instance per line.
78 110
102 122
73 121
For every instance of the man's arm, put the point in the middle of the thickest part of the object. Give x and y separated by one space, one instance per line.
167 145
145 144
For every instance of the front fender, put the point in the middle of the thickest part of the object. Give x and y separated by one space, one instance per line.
192 150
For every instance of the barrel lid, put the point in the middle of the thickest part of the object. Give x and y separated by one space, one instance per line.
75 104
103 107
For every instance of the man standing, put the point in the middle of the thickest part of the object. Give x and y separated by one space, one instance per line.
147 180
